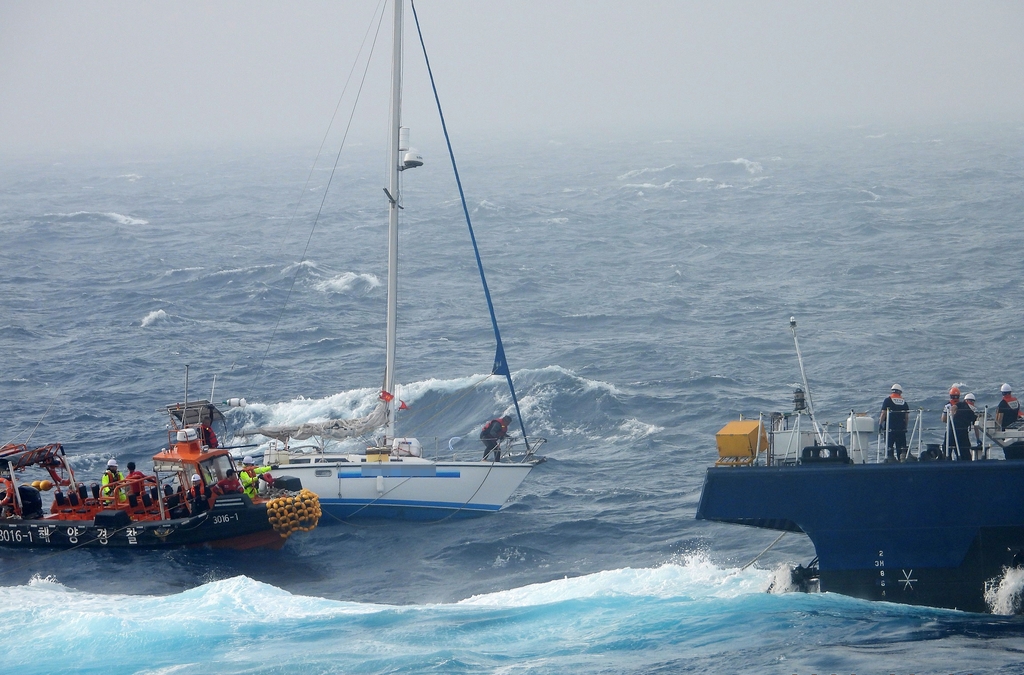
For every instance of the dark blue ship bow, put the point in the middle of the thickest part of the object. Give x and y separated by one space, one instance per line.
926 533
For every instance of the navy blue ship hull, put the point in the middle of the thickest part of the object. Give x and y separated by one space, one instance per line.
923 533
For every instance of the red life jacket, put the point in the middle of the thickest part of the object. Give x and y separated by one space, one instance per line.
209 438
1014 409
492 432
136 488
227 485
7 487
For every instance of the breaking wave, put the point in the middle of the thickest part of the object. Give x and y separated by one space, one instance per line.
153 317
640 172
95 216
1005 597
348 281
751 167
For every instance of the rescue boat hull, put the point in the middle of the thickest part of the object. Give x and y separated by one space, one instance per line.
234 523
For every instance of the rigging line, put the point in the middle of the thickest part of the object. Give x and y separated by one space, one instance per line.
316 220
500 362
45 413
777 539
378 498
465 503
426 522
330 125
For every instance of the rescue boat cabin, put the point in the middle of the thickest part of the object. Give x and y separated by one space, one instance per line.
159 496
189 442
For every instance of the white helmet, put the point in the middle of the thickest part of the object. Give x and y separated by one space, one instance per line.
196 478
1006 389
969 397
248 460
112 462
898 388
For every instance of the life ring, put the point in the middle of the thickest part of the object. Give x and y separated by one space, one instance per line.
8 488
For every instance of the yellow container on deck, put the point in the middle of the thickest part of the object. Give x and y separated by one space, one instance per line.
740 441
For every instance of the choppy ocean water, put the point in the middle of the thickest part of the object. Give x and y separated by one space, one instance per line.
643 287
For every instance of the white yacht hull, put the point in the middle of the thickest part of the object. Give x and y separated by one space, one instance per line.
407 489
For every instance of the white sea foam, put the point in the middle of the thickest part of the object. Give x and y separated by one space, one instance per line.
652 186
694 577
633 429
125 220
705 179
351 403
547 384
584 383
751 167
131 177
290 269
226 601
182 269
1005 597
640 172
782 580
89 216
239 270
153 317
217 602
346 282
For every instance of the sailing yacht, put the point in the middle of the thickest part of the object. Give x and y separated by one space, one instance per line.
393 478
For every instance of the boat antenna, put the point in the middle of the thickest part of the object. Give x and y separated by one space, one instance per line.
184 413
214 387
500 362
803 377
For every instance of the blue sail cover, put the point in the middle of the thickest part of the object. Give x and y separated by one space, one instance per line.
500 363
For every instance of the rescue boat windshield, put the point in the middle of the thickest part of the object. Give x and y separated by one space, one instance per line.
215 468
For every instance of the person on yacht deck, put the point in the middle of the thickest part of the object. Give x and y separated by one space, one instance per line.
491 435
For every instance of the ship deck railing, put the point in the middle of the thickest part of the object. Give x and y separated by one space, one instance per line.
988 441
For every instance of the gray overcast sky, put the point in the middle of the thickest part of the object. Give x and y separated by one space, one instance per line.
77 75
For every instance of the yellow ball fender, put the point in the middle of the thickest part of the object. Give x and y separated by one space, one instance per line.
291 514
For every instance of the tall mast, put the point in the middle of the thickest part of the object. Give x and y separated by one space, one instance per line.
393 200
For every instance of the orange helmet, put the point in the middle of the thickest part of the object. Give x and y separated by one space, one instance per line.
954 392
